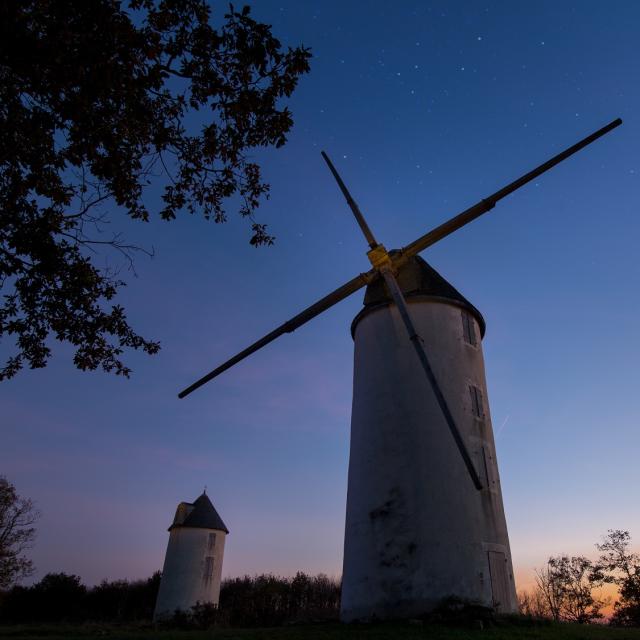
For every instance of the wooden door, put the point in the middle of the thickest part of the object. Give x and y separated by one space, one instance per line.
499 580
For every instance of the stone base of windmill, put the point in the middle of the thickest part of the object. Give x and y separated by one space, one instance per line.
402 591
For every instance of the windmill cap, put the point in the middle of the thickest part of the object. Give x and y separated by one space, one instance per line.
200 514
417 279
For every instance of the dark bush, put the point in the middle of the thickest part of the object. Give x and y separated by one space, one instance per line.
455 611
57 597
269 600
123 601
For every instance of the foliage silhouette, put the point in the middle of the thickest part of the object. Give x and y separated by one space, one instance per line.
99 104
268 600
60 597
622 568
566 588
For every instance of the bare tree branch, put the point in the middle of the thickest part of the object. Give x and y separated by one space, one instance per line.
17 515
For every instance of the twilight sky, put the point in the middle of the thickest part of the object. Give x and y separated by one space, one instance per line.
425 107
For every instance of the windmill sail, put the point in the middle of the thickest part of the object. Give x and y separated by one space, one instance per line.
400 257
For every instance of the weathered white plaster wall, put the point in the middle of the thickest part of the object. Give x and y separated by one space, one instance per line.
417 530
184 580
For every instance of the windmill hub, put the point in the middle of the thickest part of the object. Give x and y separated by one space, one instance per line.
379 258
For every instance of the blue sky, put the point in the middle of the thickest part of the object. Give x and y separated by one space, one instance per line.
425 108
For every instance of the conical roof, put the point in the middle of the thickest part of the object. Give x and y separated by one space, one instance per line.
200 514
416 278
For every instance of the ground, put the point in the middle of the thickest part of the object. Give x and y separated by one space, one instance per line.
406 631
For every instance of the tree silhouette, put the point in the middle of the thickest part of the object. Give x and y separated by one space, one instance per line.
17 517
622 567
98 104
565 591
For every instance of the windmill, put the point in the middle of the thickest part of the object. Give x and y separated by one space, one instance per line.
425 518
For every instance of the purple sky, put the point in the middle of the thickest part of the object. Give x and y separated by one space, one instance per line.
425 107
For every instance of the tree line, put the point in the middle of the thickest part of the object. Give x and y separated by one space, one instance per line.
249 601
61 597
569 588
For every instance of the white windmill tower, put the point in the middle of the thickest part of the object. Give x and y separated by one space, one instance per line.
417 530
193 563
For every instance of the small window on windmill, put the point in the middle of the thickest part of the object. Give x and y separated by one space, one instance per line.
211 542
489 470
468 328
208 568
477 407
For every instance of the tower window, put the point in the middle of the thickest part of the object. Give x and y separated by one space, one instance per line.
476 401
468 329
208 568
211 542
489 469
